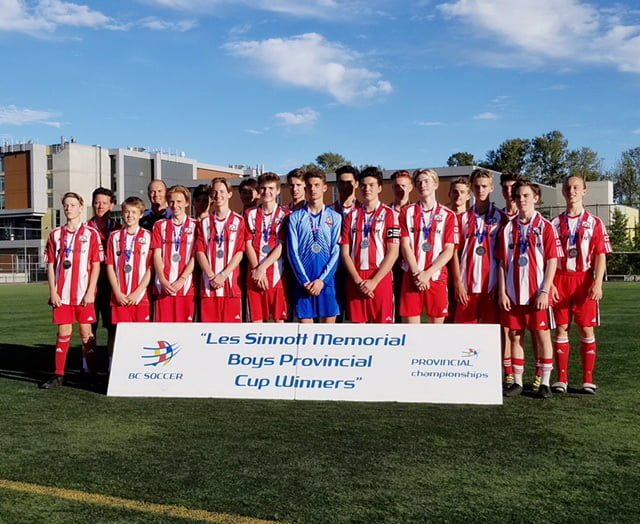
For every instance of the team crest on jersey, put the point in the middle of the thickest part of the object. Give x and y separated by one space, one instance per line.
438 218
83 238
537 231
586 225
329 221
492 221
142 240
188 230
233 227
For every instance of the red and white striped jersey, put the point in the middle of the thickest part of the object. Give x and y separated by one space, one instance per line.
220 240
582 238
428 233
177 244
265 231
369 233
525 250
130 256
344 211
110 226
72 253
478 240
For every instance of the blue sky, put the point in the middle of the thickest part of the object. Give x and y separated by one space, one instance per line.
277 82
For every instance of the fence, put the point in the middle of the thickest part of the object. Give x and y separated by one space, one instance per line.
16 269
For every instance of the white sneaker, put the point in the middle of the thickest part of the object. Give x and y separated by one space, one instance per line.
559 387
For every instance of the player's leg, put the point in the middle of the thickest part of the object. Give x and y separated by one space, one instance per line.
562 354
545 357
516 338
588 352
63 342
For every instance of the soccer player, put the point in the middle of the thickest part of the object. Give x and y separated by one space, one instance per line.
248 191
347 182
295 180
429 232
173 243
459 194
402 186
73 255
220 248
528 252
129 266
159 210
370 244
476 270
201 201
577 288
265 235
312 246
103 201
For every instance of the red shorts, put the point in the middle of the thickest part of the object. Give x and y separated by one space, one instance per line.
221 309
267 304
65 314
174 309
136 313
527 317
481 308
573 289
379 309
434 300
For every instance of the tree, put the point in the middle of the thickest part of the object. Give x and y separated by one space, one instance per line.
619 263
584 162
510 157
331 161
626 178
547 158
461 159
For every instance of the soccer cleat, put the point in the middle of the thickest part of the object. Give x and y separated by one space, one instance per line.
589 389
513 390
535 385
54 381
559 387
509 379
544 391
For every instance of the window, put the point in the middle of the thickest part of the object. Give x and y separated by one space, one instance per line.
49 162
49 180
2 202
2 183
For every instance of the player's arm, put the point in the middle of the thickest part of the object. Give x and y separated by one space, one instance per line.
220 279
390 257
120 297
53 292
423 278
293 250
542 300
184 276
345 251
503 299
458 284
158 265
138 292
90 295
600 266
332 264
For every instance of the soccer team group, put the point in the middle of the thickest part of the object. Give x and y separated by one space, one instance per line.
357 259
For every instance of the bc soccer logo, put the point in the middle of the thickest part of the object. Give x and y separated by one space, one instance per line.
160 355
470 353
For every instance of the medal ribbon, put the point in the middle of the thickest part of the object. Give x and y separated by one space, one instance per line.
177 239
482 226
572 238
315 227
68 246
220 236
364 223
420 225
522 239
268 230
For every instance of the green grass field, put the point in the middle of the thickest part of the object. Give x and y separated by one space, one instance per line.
571 459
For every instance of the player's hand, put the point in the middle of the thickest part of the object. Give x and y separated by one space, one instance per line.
257 274
218 281
367 288
89 298
595 291
461 295
169 289
121 298
504 302
422 280
315 287
55 299
542 301
555 296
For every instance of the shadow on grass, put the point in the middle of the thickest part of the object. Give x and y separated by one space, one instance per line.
35 364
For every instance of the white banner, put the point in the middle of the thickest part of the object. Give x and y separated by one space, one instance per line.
450 363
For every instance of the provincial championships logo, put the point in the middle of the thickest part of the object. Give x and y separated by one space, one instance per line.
470 353
160 355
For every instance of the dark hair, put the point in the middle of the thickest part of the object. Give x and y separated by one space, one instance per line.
373 172
103 191
347 168
251 182
315 172
460 180
133 201
523 182
200 190
508 177
295 173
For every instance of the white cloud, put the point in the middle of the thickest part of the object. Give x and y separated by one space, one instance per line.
156 24
558 30
486 116
47 15
11 115
302 117
302 8
312 62
636 132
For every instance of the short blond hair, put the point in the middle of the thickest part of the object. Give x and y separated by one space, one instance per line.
431 173
180 189
71 194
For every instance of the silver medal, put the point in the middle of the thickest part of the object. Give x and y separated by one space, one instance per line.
266 250
426 247
66 264
523 261
220 253
176 257
127 268
480 250
315 248
573 252
364 244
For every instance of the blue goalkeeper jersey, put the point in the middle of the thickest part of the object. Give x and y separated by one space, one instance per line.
313 245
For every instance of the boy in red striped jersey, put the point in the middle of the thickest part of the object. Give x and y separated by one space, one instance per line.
429 232
528 252
369 247
129 266
476 270
577 288
173 244
73 255
264 247
219 251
